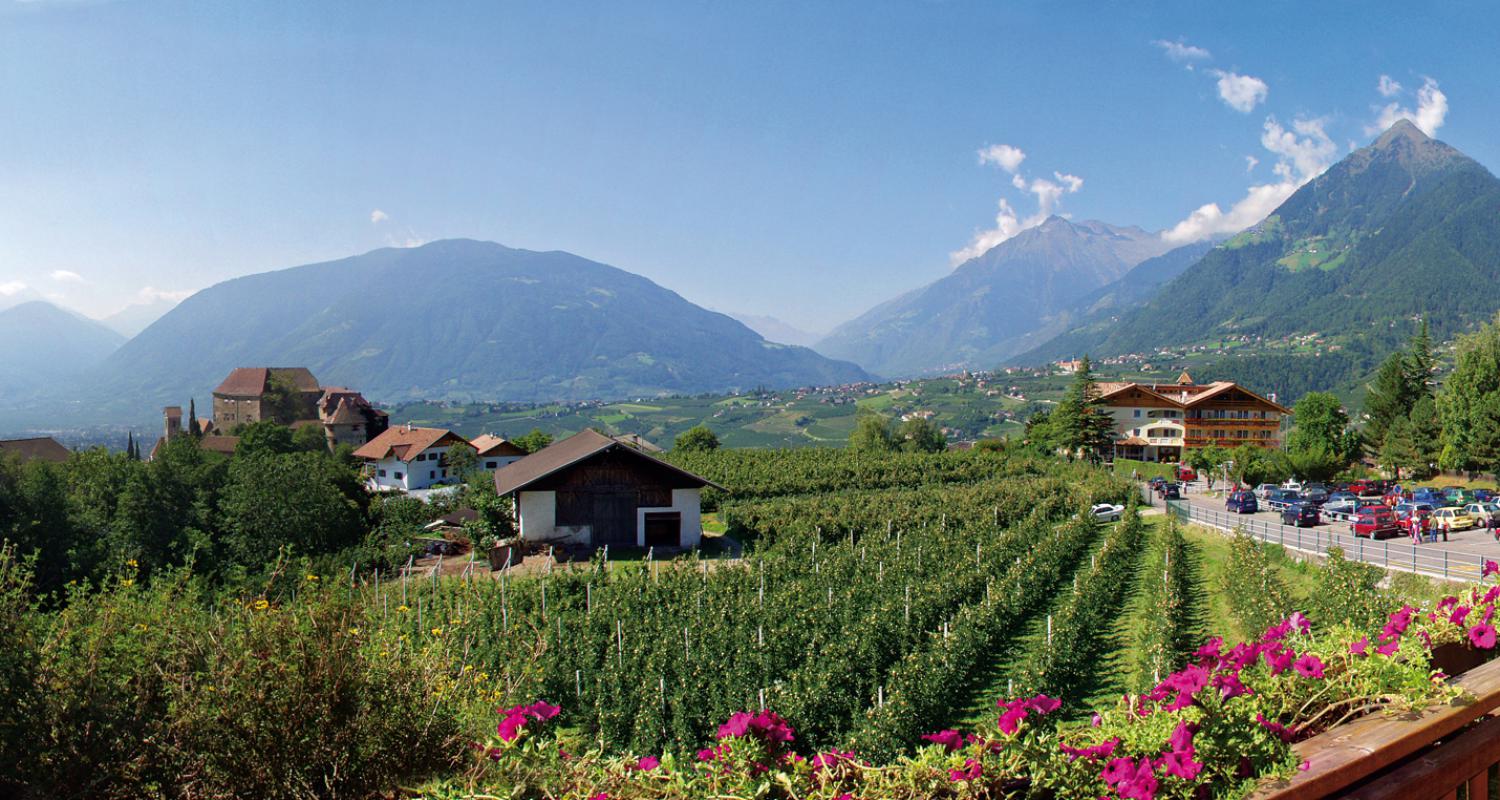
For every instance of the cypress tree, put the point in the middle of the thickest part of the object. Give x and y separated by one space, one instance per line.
193 427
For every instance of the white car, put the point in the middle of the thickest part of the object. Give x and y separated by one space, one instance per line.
1262 490
1107 512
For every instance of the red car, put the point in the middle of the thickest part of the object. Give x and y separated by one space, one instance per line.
1186 474
1363 488
1376 522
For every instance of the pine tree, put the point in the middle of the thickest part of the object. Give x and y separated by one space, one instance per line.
1399 452
1388 397
1420 362
1081 424
130 445
193 427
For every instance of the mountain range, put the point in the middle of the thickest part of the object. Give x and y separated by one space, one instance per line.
43 347
998 304
1405 227
458 319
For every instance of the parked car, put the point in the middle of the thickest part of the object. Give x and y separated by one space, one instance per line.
1278 498
1482 513
1292 484
1156 483
1426 494
1107 512
1374 525
1405 510
1451 518
1315 495
1362 488
1171 492
1242 503
1264 489
1483 496
1340 507
1343 497
1302 514
1186 473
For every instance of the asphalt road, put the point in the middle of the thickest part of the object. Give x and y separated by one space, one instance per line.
1476 542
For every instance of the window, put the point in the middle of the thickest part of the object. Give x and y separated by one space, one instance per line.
431 475
400 476
1137 412
381 473
489 465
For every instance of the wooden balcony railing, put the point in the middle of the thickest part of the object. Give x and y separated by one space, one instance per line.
1445 753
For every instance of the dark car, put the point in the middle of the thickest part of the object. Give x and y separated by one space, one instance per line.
1303 515
1316 495
1483 495
1277 497
1242 503
1171 492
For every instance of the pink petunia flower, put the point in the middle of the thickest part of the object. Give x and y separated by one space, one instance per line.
1279 659
1309 666
1389 648
1482 636
951 740
1282 732
971 771
647 763
1490 568
1181 765
1300 622
1358 648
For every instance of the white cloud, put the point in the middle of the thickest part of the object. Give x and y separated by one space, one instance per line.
1388 87
1429 115
1004 156
377 216
1302 154
1182 52
1008 223
151 294
11 288
1241 92
1250 163
66 276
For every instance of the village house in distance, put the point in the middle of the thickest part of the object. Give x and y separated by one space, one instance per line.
290 395
1158 421
593 490
409 458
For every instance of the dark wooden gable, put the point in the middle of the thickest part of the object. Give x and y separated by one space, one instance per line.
606 489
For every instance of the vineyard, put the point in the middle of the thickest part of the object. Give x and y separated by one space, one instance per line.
878 602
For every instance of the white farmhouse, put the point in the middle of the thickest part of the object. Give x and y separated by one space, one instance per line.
409 458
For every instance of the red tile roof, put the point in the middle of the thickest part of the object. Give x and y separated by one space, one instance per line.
43 448
253 381
405 443
491 445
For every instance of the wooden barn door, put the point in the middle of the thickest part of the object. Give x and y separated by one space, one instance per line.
614 519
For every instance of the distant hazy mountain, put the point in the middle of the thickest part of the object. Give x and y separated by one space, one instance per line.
42 346
1405 226
18 294
458 319
774 330
995 305
135 317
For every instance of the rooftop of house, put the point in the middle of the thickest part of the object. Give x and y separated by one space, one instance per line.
405 442
253 381
489 444
44 448
558 456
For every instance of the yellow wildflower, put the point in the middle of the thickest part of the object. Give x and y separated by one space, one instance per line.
262 604
130 563
437 631
402 608
312 577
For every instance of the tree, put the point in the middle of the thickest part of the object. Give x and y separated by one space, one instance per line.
1207 461
1399 451
130 445
461 461
1254 465
264 436
1388 397
310 439
299 500
534 441
1039 432
918 435
1313 462
871 434
1081 424
697 439
1469 404
1322 426
282 401
193 427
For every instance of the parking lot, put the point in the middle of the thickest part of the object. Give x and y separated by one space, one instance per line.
1458 558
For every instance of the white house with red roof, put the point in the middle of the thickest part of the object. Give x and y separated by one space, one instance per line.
408 458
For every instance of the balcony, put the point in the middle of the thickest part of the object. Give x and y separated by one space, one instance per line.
1443 752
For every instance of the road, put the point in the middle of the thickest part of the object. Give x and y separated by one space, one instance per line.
1460 558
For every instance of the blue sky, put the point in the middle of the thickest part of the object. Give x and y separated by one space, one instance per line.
802 160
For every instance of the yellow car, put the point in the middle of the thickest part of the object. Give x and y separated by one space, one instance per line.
1452 519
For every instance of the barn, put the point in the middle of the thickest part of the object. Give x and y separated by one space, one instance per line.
593 490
